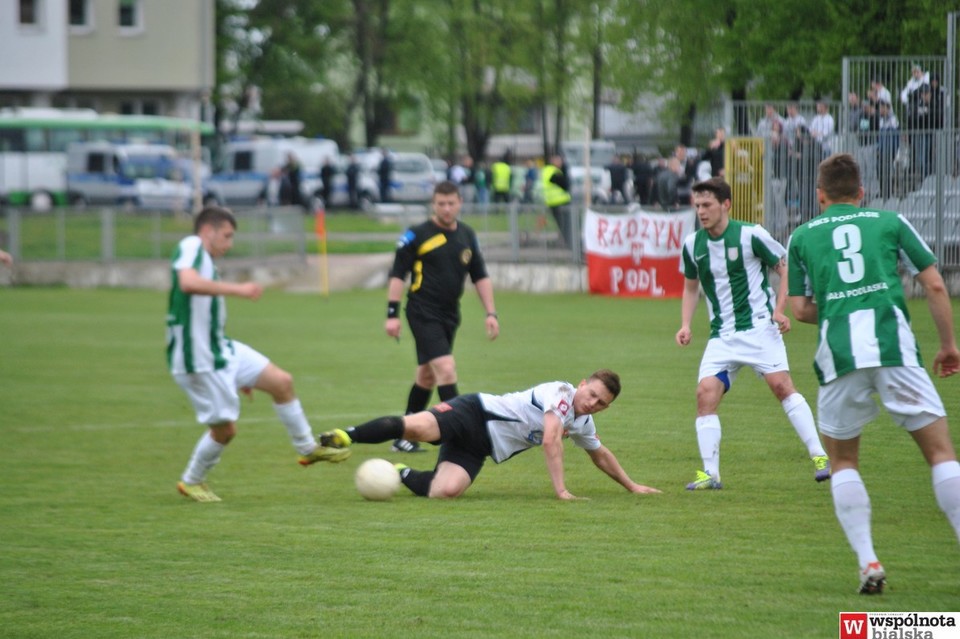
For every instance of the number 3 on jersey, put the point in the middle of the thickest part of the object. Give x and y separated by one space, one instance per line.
847 240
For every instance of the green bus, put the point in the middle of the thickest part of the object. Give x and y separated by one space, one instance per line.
34 141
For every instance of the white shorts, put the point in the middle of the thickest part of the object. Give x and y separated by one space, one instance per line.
761 349
214 394
845 405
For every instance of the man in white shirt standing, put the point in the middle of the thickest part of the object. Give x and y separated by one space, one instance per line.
822 126
470 428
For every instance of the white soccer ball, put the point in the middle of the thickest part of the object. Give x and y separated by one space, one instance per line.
377 480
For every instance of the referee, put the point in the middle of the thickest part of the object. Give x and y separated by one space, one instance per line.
439 254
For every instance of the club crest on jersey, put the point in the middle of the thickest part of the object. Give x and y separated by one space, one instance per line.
465 256
733 253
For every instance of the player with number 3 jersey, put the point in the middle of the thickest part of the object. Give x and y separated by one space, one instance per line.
844 276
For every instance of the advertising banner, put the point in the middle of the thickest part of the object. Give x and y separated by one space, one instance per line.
637 253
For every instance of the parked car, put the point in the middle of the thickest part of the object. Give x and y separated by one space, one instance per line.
440 168
412 179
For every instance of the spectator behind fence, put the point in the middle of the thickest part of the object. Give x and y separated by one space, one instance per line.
668 183
529 182
764 128
643 178
918 78
688 167
714 152
618 180
792 121
385 173
822 126
888 143
290 181
805 155
327 171
922 121
854 113
779 150
879 93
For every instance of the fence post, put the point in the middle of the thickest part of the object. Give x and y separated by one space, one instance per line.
107 235
13 233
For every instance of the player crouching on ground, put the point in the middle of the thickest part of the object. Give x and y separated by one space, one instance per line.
470 428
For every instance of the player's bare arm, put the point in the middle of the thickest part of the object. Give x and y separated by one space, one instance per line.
803 308
947 360
691 296
779 316
485 292
553 454
394 293
604 459
192 283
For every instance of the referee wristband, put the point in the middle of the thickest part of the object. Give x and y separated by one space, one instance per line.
493 315
393 309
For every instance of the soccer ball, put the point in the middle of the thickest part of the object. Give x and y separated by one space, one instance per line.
377 480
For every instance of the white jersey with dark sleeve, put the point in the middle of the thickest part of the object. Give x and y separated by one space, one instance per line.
515 420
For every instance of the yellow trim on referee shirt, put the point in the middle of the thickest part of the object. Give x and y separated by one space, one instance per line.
436 241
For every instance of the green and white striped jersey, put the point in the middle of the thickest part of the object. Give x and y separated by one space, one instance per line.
732 270
195 323
847 260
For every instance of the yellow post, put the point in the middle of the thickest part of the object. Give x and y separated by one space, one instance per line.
323 265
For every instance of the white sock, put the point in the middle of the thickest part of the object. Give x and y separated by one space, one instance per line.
708 437
293 417
799 413
205 456
946 486
852 505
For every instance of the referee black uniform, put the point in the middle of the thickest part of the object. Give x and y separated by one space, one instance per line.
438 261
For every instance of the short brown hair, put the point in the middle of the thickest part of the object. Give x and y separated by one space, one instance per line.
214 216
446 188
610 379
839 177
716 185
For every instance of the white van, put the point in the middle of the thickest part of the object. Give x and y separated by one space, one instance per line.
249 169
144 175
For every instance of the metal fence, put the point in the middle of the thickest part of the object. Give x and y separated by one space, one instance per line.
108 234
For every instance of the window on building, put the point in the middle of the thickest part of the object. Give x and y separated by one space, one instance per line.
30 12
79 13
150 107
128 15
128 108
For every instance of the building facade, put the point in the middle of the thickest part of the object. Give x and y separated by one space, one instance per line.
151 57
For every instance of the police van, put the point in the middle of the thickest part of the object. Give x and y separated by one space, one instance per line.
250 170
134 174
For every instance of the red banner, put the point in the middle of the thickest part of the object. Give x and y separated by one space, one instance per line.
636 254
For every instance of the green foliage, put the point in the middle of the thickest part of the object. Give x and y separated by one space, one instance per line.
96 542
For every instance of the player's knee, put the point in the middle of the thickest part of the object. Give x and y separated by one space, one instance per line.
223 433
443 490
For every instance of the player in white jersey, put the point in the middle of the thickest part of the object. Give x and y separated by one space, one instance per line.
210 367
730 260
470 428
844 276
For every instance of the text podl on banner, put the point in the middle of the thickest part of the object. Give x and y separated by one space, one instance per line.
636 253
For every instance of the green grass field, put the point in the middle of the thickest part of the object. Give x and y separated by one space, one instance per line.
96 542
